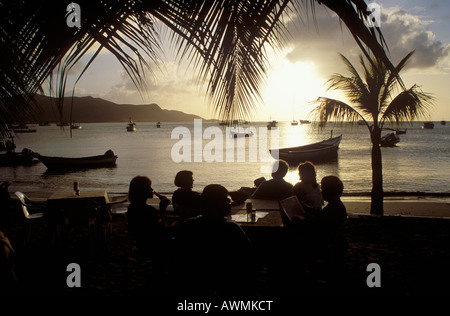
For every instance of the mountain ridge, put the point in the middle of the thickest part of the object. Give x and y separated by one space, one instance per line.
88 109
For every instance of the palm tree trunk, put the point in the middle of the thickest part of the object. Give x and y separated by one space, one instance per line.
376 207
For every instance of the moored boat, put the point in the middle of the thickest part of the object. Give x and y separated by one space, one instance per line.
389 140
241 133
12 158
131 127
272 124
108 159
321 151
428 125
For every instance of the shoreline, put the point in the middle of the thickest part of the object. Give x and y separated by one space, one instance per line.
432 205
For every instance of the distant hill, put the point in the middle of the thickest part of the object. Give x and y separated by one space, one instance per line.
96 110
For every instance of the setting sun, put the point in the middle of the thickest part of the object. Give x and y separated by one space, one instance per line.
290 88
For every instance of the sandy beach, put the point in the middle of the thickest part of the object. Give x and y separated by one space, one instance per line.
410 243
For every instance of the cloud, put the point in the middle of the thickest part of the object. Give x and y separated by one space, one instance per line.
403 32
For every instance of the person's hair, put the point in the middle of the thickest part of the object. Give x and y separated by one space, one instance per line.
332 186
214 199
307 172
140 189
183 178
279 169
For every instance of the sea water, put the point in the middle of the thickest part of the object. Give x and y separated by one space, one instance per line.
419 162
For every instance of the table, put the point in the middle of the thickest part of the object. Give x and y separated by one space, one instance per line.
267 213
60 199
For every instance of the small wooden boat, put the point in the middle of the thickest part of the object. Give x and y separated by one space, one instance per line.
75 126
428 125
294 123
389 140
108 159
12 158
131 127
321 151
443 122
158 125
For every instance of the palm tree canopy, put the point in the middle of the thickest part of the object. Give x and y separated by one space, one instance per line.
223 39
371 93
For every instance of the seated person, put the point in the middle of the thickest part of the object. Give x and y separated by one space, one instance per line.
215 254
308 190
328 221
145 223
185 201
276 188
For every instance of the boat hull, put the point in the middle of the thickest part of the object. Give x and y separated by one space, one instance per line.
63 163
318 152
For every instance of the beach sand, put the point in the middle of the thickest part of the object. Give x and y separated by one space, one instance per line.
411 245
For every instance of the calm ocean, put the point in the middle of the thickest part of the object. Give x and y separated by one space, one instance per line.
419 163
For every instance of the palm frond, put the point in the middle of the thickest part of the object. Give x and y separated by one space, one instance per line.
408 105
331 109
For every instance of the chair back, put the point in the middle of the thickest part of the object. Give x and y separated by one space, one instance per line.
81 212
23 204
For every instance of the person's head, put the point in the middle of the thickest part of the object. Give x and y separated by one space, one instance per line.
332 188
184 179
279 169
307 172
140 189
214 201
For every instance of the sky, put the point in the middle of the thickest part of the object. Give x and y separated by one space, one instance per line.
297 74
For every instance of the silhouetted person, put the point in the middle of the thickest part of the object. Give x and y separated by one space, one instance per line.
215 254
324 227
185 201
145 223
308 190
276 188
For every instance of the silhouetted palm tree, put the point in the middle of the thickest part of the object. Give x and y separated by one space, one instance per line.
224 40
373 100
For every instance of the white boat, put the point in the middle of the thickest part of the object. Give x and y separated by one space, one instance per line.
241 133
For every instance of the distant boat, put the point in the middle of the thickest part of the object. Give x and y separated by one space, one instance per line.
158 125
428 125
75 126
398 131
305 122
321 151
108 159
294 122
22 128
272 124
236 134
361 122
389 140
443 122
131 127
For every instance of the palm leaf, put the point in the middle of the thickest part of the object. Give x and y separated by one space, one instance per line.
408 105
331 109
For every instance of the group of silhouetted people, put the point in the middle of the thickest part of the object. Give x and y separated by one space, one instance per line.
209 254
